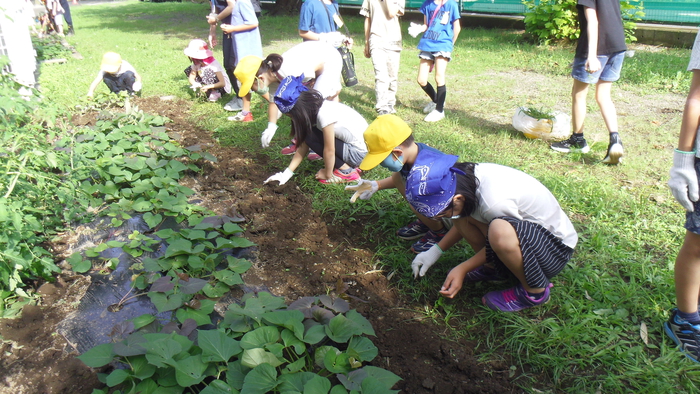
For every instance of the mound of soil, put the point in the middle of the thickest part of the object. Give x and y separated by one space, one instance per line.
299 254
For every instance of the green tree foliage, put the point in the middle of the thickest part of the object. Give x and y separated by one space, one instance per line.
556 20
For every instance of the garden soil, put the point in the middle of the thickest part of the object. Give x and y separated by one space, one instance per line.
299 253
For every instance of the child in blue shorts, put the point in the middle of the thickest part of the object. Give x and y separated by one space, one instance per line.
441 28
684 324
600 53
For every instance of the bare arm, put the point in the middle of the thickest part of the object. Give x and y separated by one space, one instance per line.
94 84
213 19
457 27
592 64
691 116
237 28
308 35
329 150
368 23
299 155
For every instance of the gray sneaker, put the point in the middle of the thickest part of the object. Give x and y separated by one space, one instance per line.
236 104
573 144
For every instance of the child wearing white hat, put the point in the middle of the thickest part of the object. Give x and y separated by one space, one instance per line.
206 74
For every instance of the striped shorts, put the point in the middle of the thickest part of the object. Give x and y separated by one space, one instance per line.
544 255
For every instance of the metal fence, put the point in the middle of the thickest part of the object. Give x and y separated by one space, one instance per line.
666 11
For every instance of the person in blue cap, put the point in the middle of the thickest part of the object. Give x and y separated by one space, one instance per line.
333 130
513 222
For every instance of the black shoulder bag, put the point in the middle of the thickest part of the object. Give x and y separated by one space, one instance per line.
348 73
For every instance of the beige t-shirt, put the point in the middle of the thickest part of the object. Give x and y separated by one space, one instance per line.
381 27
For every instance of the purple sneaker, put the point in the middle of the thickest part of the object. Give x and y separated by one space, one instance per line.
513 299
413 230
484 274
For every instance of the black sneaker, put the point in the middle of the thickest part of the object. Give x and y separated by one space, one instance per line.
684 334
413 230
573 144
615 151
428 240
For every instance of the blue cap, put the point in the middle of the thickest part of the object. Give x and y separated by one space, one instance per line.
288 92
431 184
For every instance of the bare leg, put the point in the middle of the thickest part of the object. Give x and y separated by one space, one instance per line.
578 105
504 242
687 273
607 107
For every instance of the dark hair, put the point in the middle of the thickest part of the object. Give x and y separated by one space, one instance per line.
272 63
304 114
408 141
466 186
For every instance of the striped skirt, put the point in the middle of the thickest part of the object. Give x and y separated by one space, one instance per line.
544 255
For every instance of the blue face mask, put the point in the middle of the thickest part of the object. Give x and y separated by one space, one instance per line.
392 165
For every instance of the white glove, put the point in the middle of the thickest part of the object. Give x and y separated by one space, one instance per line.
415 29
282 177
425 260
363 189
137 86
684 179
334 38
268 134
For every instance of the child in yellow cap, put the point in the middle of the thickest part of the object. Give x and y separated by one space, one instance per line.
117 74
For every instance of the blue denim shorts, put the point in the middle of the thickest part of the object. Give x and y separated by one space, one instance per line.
610 66
432 55
692 219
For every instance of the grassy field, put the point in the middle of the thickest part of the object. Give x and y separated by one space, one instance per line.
587 339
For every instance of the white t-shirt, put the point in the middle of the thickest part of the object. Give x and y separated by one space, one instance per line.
505 191
349 126
214 67
304 58
125 66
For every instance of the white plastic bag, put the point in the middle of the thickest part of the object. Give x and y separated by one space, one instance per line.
547 129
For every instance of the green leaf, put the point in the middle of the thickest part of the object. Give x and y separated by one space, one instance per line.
117 376
218 387
296 366
163 346
336 362
231 228
338 389
363 347
152 220
147 386
364 325
373 385
234 243
192 285
254 357
229 277
260 337
387 378
236 373
79 264
98 356
291 340
239 266
131 346
294 382
143 320
190 371
141 368
198 316
340 329
317 385
164 303
315 334
217 290
261 380
177 247
217 346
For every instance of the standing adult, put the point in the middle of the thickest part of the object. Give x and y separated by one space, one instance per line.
599 55
67 16
383 46
223 10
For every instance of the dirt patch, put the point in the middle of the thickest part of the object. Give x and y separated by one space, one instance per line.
298 254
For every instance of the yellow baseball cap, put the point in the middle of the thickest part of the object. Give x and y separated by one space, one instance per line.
111 62
382 136
246 71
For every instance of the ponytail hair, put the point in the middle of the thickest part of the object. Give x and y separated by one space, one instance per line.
467 183
304 114
272 63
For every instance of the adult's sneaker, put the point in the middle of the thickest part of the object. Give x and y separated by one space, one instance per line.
484 274
413 230
435 116
242 118
615 151
573 144
684 334
514 299
236 104
430 107
428 240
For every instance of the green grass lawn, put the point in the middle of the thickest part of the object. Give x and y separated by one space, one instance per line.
587 339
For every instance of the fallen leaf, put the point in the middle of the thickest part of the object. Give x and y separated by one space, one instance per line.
644 333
